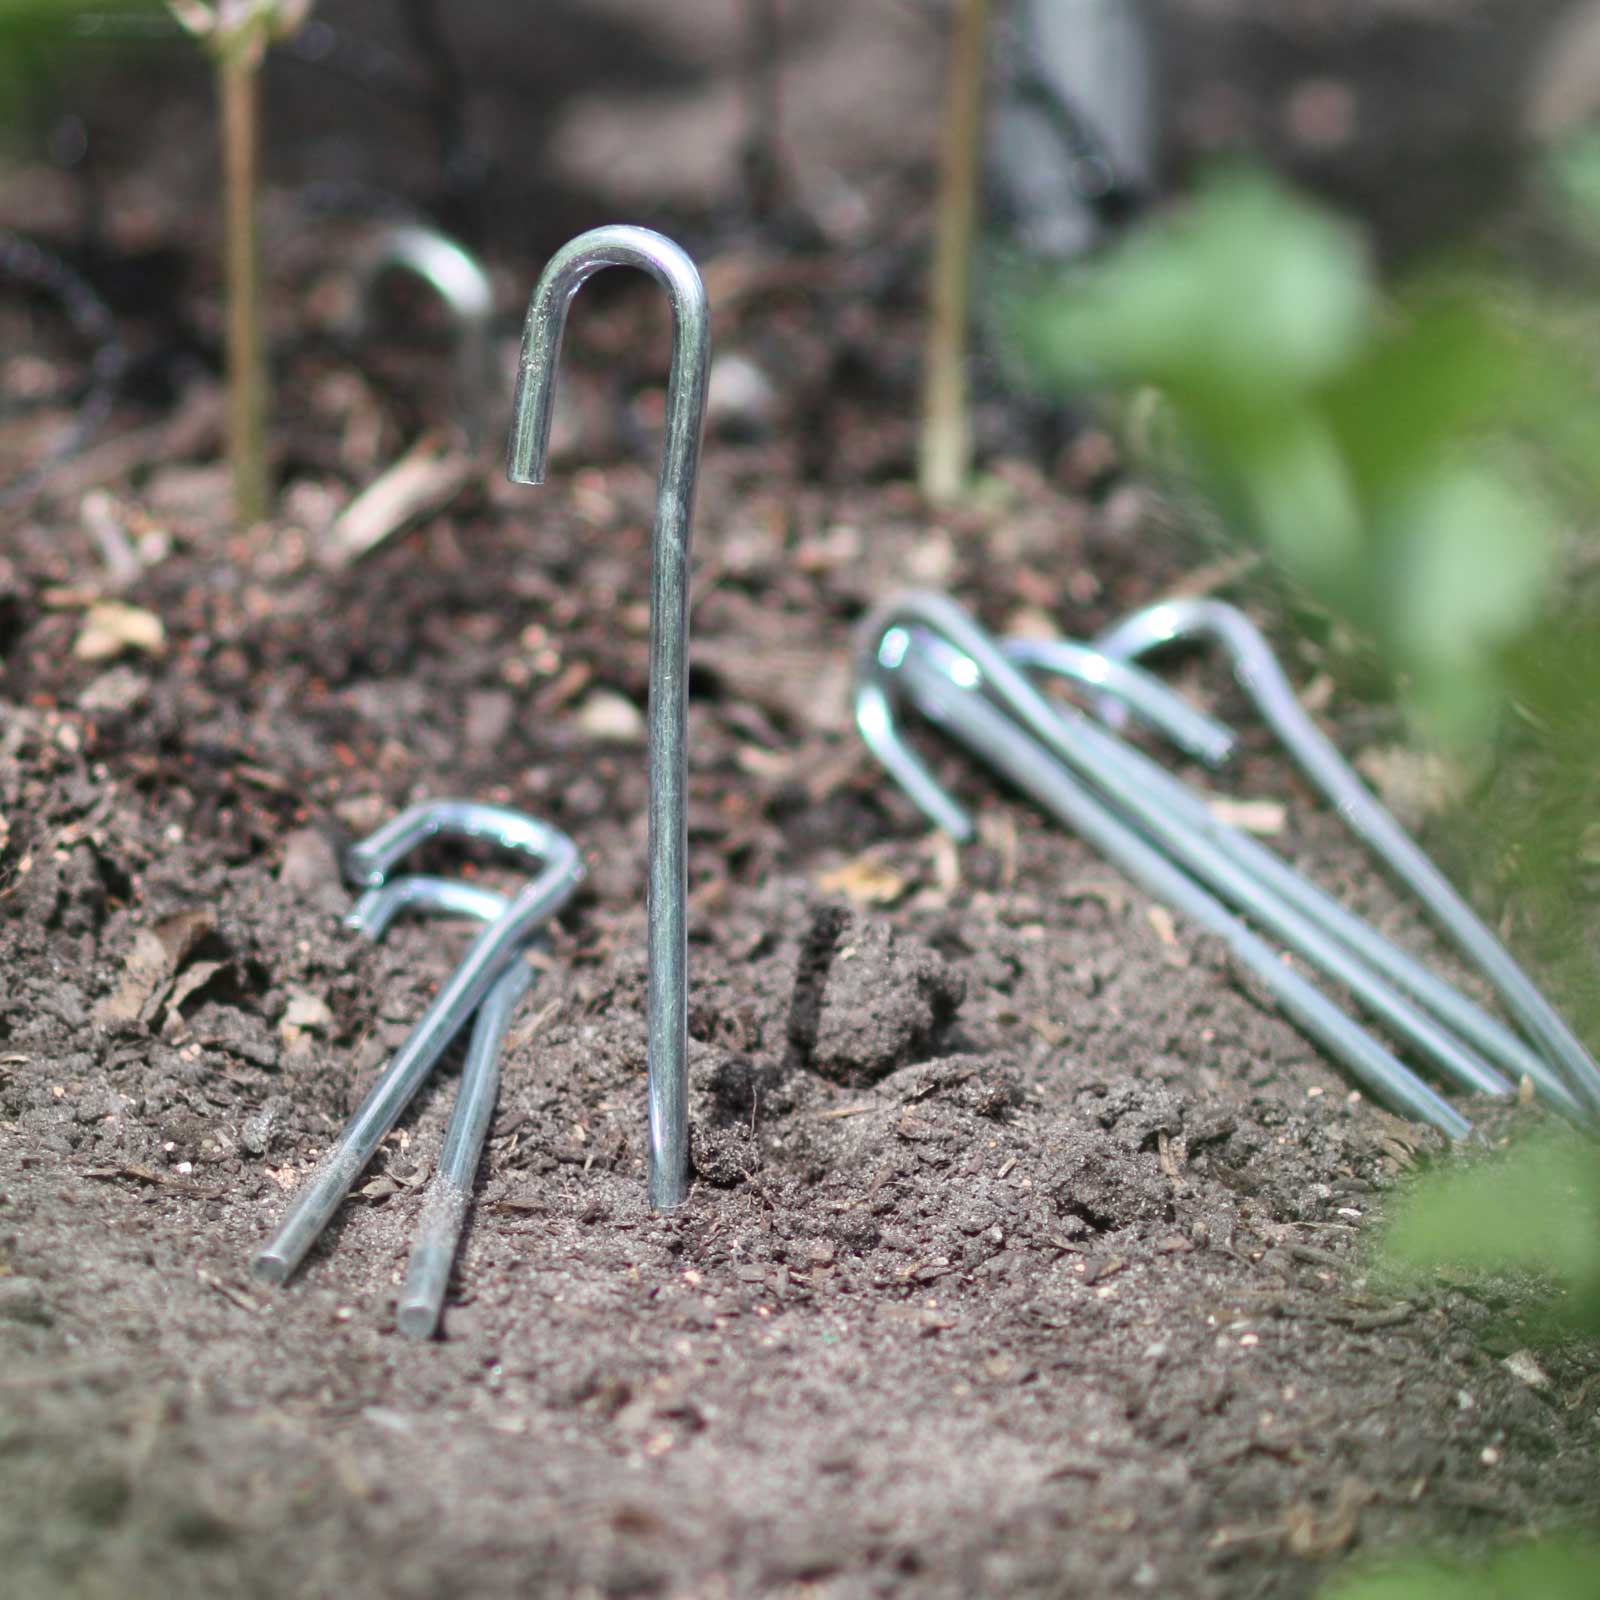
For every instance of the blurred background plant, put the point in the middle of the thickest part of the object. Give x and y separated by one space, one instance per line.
1533 1209
37 38
1552 1569
237 33
1369 444
1420 466
44 46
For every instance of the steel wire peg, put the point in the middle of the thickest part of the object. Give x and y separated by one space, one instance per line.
460 281
667 889
496 948
1564 1071
449 1194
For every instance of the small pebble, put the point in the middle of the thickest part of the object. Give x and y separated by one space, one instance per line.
309 862
741 400
22 1300
255 1134
487 720
114 692
609 718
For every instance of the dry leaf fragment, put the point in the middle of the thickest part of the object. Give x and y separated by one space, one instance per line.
1316 1537
307 1010
424 480
111 627
196 978
1413 784
105 521
305 1013
144 975
1253 816
1317 695
864 882
772 765
1052 1032
1111 895
156 956
1524 1366
183 930
946 862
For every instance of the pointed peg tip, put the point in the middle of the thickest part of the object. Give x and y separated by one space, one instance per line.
417 1319
271 1266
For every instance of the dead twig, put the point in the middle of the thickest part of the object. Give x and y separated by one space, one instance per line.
421 482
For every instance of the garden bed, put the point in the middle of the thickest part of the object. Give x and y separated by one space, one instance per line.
1025 1247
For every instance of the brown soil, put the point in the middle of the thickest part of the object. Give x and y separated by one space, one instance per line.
1025 1250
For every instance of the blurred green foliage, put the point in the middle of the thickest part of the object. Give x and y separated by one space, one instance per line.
1413 462
1572 173
38 36
1550 1569
24 18
1534 1210
1393 453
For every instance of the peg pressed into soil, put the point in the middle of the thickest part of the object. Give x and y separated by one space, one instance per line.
667 887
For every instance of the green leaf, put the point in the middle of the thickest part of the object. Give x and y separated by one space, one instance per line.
1536 1209
33 35
1370 454
1300 499
1573 172
1451 365
1248 292
1545 1569
1464 562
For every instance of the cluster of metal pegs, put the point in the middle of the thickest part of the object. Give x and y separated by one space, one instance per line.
492 978
925 652
489 982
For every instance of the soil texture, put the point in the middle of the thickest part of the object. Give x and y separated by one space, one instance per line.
1025 1253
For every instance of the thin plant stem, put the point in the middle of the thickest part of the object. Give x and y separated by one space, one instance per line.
761 80
946 450
239 86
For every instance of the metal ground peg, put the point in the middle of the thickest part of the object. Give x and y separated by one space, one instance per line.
495 949
926 649
1563 1070
460 281
449 1192
667 891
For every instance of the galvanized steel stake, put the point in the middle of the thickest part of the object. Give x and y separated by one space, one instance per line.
667 890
